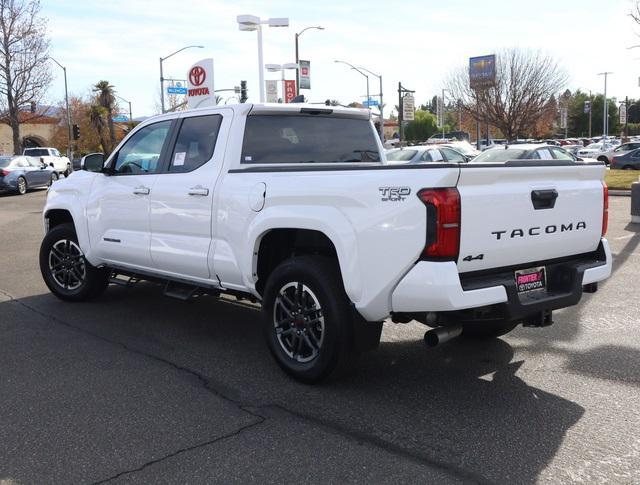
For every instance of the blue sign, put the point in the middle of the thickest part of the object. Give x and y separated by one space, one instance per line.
370 102
176 90
482 71
120 118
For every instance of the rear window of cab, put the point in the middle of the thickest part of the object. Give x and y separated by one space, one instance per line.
308 139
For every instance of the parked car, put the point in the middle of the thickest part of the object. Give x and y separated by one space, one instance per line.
596 150
52 157
464 147
425 154
19 174
532 152
619 151
627 161
294 206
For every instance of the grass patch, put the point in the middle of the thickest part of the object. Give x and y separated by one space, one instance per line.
621 179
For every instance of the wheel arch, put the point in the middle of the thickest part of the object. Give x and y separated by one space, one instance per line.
306 233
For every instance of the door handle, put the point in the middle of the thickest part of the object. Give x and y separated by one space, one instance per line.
142 190
544 199
199 190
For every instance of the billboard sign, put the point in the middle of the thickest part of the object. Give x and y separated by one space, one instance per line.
305 75
564 112
482 72
408 108
271 86
623 114
587 106
289 90
200 90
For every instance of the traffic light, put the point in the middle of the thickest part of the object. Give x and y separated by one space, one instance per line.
243 92
76 132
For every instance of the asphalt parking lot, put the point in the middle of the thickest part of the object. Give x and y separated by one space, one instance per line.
138 388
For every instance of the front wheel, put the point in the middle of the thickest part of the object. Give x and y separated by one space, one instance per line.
307 319
64 268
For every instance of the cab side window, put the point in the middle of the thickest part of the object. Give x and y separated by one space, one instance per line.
195 143
141 153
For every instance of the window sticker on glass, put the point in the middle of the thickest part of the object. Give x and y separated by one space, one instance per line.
178 159
248 158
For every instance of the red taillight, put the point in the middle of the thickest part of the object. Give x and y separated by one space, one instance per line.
605 208
443 223
4 173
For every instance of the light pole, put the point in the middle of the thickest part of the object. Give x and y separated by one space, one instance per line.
66 98
381 103
442 115
298 57
605 116
126 101
367 77
282 68
249 23
161 74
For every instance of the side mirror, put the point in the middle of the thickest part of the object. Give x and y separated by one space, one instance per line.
92 162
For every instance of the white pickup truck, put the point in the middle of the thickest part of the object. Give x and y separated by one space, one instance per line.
294 206
51 157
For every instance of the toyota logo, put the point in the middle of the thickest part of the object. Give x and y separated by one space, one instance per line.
197 75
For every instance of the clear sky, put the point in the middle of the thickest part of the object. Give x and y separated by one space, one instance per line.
416 42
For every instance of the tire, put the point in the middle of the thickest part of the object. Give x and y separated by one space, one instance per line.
67 171
54 177
66 272
22 186
308 322
627 167
603 159
487 330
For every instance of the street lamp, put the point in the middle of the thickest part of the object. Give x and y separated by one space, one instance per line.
381 103
126 101
442 116
298 57
605 115
355 68
66 98
161 75
249 23
282 68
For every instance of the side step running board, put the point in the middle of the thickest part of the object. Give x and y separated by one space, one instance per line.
181 291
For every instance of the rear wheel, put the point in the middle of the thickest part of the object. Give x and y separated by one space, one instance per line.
67 171
22 185
53 178
64 268
307 319
487 330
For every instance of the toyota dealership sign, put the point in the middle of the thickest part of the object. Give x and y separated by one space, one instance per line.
200 90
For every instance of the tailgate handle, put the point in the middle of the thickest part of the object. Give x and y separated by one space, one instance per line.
544 199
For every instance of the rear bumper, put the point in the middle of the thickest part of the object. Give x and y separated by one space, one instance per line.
438 287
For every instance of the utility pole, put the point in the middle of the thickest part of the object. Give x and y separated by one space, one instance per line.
66 99
605 114
442 114
590 111
379 76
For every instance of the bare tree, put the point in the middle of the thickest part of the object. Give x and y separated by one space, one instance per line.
525 82
635 12
24 50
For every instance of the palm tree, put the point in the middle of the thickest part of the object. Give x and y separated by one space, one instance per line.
107 100
96 117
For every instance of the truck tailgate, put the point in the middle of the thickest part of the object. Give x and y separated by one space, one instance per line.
518 213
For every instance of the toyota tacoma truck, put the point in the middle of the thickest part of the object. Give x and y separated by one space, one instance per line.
295 207
51 157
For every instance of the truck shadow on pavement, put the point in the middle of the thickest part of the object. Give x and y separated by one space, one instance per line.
460 408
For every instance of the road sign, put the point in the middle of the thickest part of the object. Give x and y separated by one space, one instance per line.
305 75
482 71
439 112
408 108
120 118
289 90
272 90
623 114
176 90
370 102
587 106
